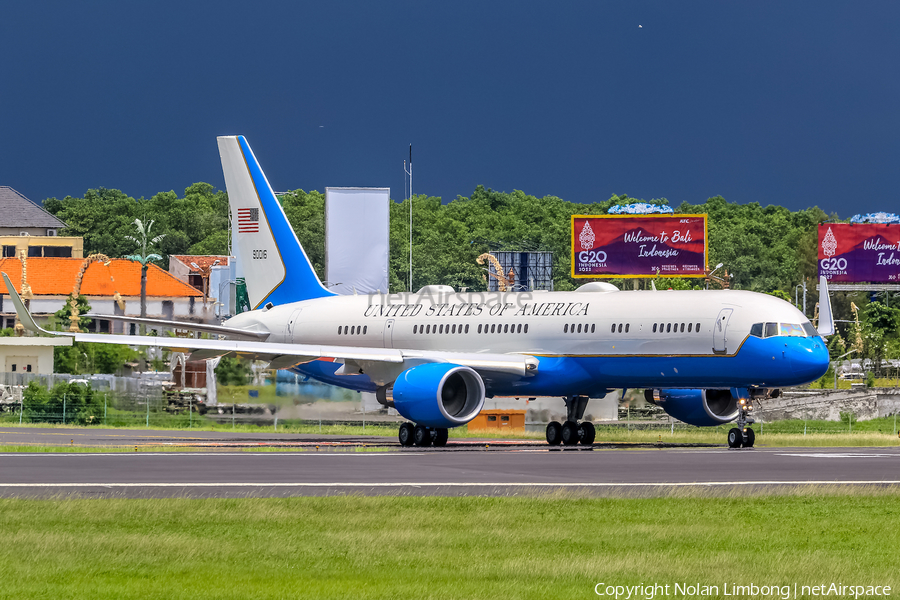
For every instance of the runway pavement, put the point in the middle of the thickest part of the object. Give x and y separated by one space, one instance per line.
503 470
143 438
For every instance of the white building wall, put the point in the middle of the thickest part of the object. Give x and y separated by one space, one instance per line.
36 351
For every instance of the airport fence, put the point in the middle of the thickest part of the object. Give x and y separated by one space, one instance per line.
848 425
148 401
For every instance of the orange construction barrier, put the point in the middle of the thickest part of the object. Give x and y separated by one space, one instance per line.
488 420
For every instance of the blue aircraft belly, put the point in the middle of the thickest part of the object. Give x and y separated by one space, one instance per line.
771 362
323 371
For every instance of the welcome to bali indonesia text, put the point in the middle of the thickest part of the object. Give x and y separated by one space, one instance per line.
785 592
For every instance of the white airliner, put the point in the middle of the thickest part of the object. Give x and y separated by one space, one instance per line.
434 355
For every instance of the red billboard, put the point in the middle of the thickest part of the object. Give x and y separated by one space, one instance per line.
639 246
859 252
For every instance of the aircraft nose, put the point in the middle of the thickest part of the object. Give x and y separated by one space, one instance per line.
809 359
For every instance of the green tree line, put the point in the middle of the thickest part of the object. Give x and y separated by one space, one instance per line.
763 248
766 249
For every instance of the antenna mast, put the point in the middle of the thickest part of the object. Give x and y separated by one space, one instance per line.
410 173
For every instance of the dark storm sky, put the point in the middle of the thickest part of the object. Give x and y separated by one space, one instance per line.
792 103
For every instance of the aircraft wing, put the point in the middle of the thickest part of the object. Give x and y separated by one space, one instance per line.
287 355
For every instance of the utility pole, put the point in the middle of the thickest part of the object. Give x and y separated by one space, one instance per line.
804 295
410 173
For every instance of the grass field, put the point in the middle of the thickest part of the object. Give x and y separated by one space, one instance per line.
399 547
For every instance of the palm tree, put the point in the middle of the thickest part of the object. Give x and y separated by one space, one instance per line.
143 243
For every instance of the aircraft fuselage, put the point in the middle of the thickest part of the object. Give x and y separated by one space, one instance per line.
586 342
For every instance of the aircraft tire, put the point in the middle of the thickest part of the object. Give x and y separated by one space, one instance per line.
440 437
749 438
421 436
569 433
554 433
735 438
587 433
406 434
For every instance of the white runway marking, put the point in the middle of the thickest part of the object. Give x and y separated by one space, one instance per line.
438 485
188 454
841 455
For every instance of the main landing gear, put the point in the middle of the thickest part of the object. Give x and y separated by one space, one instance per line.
422 436
742 435
572 432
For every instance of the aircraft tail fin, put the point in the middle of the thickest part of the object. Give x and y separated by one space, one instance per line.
276 268
826 316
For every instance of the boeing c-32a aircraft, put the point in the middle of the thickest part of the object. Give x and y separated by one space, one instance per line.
435 355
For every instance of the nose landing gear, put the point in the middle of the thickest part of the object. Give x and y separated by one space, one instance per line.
742 435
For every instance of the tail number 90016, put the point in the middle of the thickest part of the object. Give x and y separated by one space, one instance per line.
259 254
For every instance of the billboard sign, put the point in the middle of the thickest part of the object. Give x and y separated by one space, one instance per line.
863 252
639 246
357 223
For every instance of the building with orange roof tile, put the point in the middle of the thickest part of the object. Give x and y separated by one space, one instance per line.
52 280
212 273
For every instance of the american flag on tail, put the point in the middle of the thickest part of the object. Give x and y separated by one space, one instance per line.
248 220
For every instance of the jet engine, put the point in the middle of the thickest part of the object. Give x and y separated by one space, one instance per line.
437 395
701 408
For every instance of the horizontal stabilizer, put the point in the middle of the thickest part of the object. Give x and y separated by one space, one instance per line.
231 332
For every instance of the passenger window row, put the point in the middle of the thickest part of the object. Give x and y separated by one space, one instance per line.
573 329
352 329
614 328
426 329
504 328
452 328
675 328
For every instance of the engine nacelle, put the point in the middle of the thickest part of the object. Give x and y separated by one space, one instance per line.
702 408
438 394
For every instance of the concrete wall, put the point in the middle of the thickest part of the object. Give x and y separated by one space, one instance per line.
546 409
827 405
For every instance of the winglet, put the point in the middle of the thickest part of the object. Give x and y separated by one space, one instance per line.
826 317
24 316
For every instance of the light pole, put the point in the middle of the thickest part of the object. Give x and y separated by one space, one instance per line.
228 304
796 299
835 365
718 266
410 173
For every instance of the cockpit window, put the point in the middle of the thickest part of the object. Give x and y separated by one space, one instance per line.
792 330
768 330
